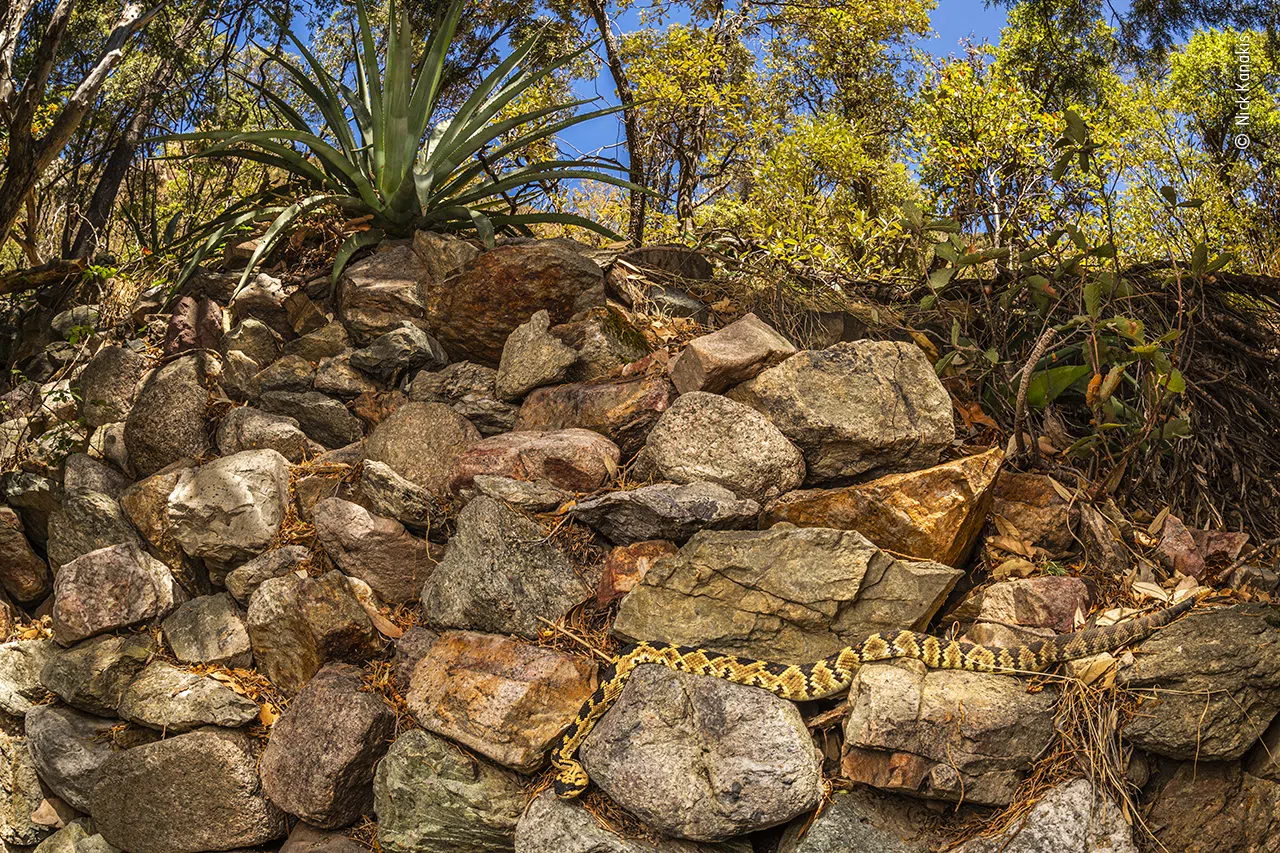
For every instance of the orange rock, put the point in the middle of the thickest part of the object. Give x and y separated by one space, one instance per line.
626 566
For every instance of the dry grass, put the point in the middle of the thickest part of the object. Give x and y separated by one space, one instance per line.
379 677
365 833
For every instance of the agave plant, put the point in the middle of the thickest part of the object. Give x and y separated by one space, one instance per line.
378 155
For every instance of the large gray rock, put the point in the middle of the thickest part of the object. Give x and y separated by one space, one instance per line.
551 825
666 511
209 629
255 339
194 792
111 588
532 357
20 794
82 473
326 342
944 734
21 662
421 442
385 492
787 594
404 349
109 385
247 428
167 421
262 298
1071 816
379 293
23 574
857 408
242 582
375 549
865 820
431 797
93 675
468 389
230 510
734 354
322 418
288 373
1210 682
336 377
86 522
499 575
67 748
319 762
706 437
702 758
169 699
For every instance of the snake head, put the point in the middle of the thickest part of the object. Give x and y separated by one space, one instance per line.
571 781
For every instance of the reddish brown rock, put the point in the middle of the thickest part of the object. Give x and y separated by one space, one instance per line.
626 566
577 460
474 311
622 407
1031 504
193 325
1212 807
108 589
734 354
374 407
934 514
23 574
1177 549
421 442
375 549
1044 606
1222 545
505 699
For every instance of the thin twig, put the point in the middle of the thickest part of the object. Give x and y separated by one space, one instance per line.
1024 387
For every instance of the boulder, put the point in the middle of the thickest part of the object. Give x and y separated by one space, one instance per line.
944 734
338 378
788 594
197 791
379 293
404 349
255 339
109 385
20 794
623 407
1070 816
244 581
238 378
864 819
474 311
505 699
170 700
551 825
706 437
702 758
247 428
319 762
1210 684
326 342
1035 508
529 495
86 522
933 514
322 418
576 460
421 442
93 675
532 357
82 473
24 576
468 389
262 298
1213 807
146 503
195 324
111 588
210 630
20 664
500 575
734 354
375 549
230 509
385 492
167 421
67 748
666 511
432 797
1023 609
854 409
604 339
627 565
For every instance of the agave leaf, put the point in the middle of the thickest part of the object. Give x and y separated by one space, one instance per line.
353 244
426 87
331 103
272 234
553 218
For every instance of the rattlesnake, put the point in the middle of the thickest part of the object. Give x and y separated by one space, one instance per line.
831 675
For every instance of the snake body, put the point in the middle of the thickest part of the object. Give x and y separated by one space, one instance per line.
833 674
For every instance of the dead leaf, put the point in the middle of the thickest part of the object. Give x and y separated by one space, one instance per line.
1143 589
1013 546
1005 526
1061 490
1015 567
1157 523
1098 670
46 814
267 714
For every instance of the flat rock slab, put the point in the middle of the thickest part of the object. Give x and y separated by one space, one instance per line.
111 588
197 791
856 408
244 581
666 511
551 825
230 510
1211 682
1070 816
505 699
576 460
787 594
1015 611
432 797
623 406
708 438
933 514
319 762
375 549
499 575
321 417
702 758
421 442
169 699
385 492
944 734
734 354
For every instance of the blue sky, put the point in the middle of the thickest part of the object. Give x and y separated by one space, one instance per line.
953 22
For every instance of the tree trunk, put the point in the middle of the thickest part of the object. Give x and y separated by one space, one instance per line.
630 119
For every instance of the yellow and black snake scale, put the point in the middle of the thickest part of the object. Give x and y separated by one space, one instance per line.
831 675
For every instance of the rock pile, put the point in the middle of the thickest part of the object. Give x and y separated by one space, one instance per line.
343 602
